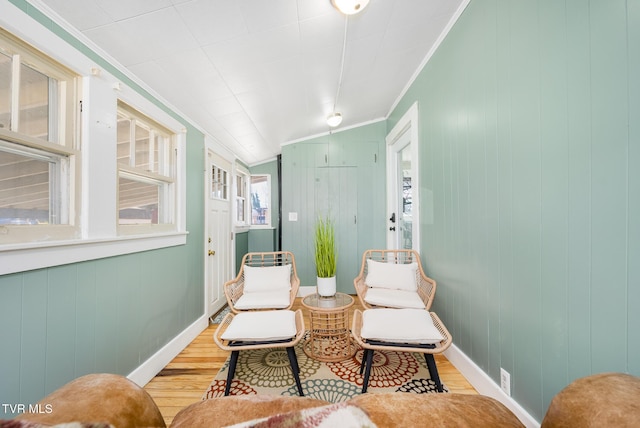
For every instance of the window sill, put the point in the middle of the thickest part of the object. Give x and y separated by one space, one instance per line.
38 255
241 229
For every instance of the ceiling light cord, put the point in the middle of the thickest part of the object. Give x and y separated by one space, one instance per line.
344 50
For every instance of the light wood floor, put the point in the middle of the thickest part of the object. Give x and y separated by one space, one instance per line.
184 380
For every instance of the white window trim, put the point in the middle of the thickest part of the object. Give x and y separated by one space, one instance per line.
23 257
238 169
169 206
101 241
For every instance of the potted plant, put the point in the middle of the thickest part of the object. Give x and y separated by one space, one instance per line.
325 257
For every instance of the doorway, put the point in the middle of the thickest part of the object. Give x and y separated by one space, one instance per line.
403 205
218 227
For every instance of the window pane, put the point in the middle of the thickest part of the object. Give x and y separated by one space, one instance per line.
219 183
138 202
142 148
157 164
260 198
34 103
5 91
241 186
24 189
124 140
240 214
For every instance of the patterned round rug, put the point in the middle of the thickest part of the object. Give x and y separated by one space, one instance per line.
267 371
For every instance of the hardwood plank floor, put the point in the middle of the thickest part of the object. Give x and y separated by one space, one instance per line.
184 380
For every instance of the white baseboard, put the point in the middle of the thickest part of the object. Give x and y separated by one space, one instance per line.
486 386
147 370
305 290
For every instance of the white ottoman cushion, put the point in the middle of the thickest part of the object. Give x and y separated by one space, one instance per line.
399 326
262 326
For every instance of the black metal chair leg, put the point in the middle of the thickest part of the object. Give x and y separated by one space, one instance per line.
365 352
232 370
433 370
367 371
293 360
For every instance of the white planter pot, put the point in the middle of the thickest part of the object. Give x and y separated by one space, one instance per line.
327 286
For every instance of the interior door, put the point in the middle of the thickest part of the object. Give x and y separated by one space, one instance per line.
218 239
402 183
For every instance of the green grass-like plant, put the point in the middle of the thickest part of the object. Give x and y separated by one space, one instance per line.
325 247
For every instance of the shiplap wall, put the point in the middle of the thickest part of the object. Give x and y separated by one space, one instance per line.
311 170
530 146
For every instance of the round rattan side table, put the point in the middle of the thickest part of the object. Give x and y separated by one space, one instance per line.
329 333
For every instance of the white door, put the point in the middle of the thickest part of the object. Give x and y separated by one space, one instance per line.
403 206
218 239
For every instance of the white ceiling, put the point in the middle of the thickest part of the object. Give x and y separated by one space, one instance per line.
254 74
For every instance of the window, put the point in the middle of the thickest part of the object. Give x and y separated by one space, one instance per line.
146 171
39 156
219 183
59 201
260 200
241 199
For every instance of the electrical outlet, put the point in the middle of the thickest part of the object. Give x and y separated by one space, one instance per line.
505 381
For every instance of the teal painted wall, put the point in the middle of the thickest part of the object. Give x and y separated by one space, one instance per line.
530 144
107 315
342 174
262 240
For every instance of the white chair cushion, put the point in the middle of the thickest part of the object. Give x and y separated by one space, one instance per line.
399 276
264 278
274 299
393 298
262 326
399 326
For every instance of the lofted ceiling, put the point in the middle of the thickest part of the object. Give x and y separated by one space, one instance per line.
254 74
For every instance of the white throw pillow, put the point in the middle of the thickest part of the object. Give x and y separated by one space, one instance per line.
400 326
261 326
265 278
399 276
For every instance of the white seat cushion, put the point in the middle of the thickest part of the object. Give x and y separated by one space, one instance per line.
400 326
264 278
393 298
262 326
399 276
274 299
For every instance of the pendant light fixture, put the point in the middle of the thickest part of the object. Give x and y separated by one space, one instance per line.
334 119
350 7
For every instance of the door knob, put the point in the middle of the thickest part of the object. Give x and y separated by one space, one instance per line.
392 228
212 253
